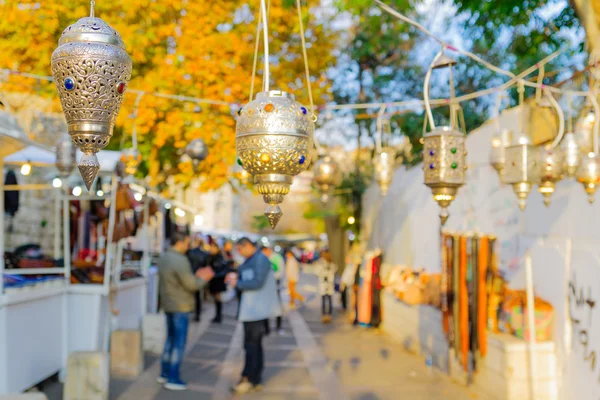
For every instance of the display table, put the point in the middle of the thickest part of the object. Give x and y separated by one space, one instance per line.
90 316
32 335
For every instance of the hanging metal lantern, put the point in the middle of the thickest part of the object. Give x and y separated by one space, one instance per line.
91 70
197 150
551 172
326 176
274 143
521 169
571 155
66 154
131 159
588 175
385 163
444 149
497 155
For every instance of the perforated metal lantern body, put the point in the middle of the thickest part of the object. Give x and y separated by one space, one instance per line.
551 171
197 151
326 175
444 165
521 170
588 175
91 71
497 154
131 159
571 154
274 144
384 163
66 154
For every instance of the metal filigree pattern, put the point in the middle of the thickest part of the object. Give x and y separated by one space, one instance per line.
521 164
444 158
274 154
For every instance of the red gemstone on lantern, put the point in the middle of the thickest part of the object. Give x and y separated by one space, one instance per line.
121 87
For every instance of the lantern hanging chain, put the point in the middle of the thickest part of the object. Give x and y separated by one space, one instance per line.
426 89
378 140
305 56
594 99
561 119
92 5
266 73
256 46
135 115
453 106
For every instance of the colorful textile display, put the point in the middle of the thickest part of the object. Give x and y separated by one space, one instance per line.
369 295
465 292
514 311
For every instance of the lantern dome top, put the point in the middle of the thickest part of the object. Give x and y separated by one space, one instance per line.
91 29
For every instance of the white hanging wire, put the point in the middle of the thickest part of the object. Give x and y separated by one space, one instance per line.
92 5
305 56
378 140
561 119
266 75
256 46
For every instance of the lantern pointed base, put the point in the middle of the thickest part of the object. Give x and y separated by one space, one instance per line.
444 215
547 200
88 168
591 198
273 214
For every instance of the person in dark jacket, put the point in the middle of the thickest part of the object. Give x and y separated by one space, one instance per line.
217 285
198 259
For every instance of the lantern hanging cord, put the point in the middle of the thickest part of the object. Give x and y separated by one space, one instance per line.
426 89
380 116
92 5
521 91
594 99
266 78
256 46
540 81
305 55
561 119
135 115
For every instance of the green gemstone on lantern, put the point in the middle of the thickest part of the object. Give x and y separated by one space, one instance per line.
453 150
239 162
454 165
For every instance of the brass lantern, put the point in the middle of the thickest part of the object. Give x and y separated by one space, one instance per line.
91 70
274 144
551 171
197 151
131 159
66 153
588 175
444 155
521 169
499 144
326 176
385 163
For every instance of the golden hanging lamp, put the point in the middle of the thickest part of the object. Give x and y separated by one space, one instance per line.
588 173
326 175
500 141
444 160
385 157
91 70
274 134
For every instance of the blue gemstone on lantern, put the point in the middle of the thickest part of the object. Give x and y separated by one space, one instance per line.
304 110
302 160
69 84
431 153
431 166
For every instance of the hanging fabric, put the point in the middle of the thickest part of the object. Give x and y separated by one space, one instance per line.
11 197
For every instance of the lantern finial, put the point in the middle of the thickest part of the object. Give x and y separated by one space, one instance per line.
273 214
88 168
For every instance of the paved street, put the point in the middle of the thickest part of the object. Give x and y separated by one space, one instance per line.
309 361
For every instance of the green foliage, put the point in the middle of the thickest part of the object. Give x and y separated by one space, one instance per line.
259 223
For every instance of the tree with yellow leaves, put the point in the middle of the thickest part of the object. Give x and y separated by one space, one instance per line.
200 48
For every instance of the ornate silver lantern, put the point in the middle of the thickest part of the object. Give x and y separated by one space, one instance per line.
326 176
521 170
197 151
551 171
131 159
274 144
385 163
91 70
66 154
444 155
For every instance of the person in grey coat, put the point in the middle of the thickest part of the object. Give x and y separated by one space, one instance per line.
256 280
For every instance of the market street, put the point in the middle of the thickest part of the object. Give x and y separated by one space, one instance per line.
309 361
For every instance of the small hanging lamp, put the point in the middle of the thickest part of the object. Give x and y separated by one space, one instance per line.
385 160
571 155
66 154
521 169
91 70
197 151
551 157
326 176
444 147
588 173
274 134
500 141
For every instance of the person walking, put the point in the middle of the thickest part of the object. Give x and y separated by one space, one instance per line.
326 270
256 280
198 259
177 285
278 265
292 273
217 284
